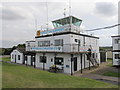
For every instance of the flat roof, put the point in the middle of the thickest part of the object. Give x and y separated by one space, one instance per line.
30 41
116 36
63 33
81 52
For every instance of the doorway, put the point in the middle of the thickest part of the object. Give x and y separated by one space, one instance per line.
75 63
15 58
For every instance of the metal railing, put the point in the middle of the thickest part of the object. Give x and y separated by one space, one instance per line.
62 48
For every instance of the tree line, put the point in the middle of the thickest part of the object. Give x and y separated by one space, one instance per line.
7 51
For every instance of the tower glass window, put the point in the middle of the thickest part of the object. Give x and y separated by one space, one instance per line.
67 21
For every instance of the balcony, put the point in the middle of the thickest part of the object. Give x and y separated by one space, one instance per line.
65 48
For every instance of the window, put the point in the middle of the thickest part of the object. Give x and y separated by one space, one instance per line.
43 43
117 41
43 59
51 60
28 44
76 40
58 61
18 57
117 56
59 42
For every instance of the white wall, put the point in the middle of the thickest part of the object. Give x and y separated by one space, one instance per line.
16 52
29 45
115 46
115 61
66 61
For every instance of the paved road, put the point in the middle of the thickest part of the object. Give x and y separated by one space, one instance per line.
96 73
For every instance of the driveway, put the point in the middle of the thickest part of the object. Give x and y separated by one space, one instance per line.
97 73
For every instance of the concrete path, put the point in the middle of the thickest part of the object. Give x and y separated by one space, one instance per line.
96 73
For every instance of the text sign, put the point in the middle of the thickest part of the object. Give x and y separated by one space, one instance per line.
57 48
52 31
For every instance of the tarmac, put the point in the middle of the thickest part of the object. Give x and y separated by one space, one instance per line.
96 73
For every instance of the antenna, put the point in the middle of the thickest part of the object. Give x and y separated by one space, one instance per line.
35 24
41 28
64 12
47 14
69 7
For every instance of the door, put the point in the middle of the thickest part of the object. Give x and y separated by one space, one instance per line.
15 58
75 63
23 59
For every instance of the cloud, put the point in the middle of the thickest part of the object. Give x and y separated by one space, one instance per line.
106 9
15 13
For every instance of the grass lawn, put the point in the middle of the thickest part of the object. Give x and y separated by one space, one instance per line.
113 74
17 76
5 58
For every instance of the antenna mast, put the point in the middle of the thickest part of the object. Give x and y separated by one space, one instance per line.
47 14
64 12
69 7
36 24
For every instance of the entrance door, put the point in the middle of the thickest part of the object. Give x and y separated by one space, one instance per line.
75 63
15 58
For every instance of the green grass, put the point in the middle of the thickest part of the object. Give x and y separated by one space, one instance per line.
113 74
16 76
5 58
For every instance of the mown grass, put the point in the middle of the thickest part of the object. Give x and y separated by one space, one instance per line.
113 74
5 58
16 76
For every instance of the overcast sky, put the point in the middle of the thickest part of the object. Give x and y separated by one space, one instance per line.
18 18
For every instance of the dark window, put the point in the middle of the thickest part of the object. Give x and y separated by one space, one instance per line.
58 61
18 57
43 43
93 55
117 41
28 45
76 40
117 56
43 59
59 42
51 60
25 57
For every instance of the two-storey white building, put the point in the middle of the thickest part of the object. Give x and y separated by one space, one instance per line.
65 47
116 50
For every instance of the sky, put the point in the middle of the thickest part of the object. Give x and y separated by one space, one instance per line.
20 19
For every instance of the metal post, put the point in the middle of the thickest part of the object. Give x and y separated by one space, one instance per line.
71 63
34 60
84 60
89 64
26 59
55 61
81 62
43 61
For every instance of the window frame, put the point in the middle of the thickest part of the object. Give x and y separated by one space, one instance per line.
41 59
60 42
117 56
19 57
57 62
